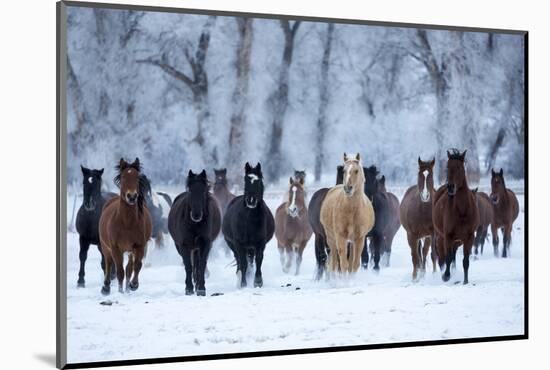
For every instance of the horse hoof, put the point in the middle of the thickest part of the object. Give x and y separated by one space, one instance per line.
465 282
446 277
106 290
189 291
243 284
133 285
258 283
80 284
201 292
365 266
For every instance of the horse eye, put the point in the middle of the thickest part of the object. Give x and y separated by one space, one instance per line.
356 171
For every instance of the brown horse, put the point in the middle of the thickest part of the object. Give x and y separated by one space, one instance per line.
485 209
347 216
394 224
415 214
455 214
505 209
125 225
221 189
292 228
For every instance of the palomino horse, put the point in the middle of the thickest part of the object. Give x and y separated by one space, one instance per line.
194 222
221 189
485 209
382 213
292 228
87 218
415 214
347 216
394 224
125 226
455 214
505 209
248 225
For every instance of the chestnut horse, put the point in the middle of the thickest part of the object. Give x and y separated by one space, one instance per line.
505 209
415 214
394 224
292 228
455 214
221 189
485 209
347 217
125 225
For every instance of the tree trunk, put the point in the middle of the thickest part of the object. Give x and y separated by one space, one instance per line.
74 91
323 103
279 102
240 94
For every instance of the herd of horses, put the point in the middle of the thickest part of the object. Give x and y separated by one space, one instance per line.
353 223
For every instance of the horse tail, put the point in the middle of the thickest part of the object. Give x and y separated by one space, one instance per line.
166 197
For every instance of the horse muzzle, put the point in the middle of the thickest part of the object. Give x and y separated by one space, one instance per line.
425 197
196 218
292 212
251 202
494 198
131 198
451 189
90 205
348 190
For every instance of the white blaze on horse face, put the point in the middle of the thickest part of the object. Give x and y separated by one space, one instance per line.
292 206
425 195
253 177
90 179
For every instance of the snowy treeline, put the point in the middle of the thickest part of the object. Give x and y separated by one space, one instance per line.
195 91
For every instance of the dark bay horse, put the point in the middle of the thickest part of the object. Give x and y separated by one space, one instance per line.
415 214
455 214
292 228
505 210
248 225
394 224
125 225
87 218
485 209
221 189
160 223
194 222
382 218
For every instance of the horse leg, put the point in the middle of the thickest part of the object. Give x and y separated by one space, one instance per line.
506 239
106 289
440 250
449 257
413 244
478 234
358 249
320 256
425 249
203 258
129 270
387 249
281 255
243 265
138 255
342 249
83 255
289 258
186 255
118 259
365 254
113 269
299 253
433 252
377 240
466 260
483 237
494 233
258 280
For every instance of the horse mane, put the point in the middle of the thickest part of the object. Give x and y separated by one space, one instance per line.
455 154
372 170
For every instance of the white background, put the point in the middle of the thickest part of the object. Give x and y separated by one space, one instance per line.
27 181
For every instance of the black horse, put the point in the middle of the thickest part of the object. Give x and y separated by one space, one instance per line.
194 223
248 225
382 218
87 218
160 223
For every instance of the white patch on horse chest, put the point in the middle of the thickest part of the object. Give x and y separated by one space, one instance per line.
90 179
253 177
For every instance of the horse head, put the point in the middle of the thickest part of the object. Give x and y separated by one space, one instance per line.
253 185
133 186
425 180
220 176
92 187
371 183
354 178
456 171
296 197
498 186
197 186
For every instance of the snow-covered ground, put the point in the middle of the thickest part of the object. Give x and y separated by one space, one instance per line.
289 312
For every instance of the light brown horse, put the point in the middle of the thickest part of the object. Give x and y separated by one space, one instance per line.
455 214
394 223
485 209
125 225
292 228
415 214
347 216
221 189
505 209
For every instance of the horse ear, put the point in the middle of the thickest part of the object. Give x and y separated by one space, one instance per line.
247 167
419 161
190 173
101 171
258 166
448 155
432 163
501 173
85 171
493 172
291 180
224 171
122 164
345 157
383 179
203 174
358 156
463 155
